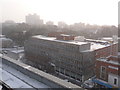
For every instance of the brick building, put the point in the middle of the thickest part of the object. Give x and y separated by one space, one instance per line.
54 34
103 48
107 51
65 37
107 72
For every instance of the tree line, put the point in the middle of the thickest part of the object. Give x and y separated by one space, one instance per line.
22 31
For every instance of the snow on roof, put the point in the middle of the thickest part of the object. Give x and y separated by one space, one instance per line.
17 51
116 68
2 36
5 39
16 79
33 81
64 35
95 46
108 61
93 40
14 49
12 81
107 38
54 39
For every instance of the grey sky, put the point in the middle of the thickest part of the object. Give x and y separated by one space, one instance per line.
70 11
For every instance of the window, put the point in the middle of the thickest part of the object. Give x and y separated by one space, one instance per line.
103 72
103 69
115 81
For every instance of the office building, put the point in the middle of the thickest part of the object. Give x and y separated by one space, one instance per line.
5 42
65 55
69 57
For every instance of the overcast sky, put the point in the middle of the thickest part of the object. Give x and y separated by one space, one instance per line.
101 12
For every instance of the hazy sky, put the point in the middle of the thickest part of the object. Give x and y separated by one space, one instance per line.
87 11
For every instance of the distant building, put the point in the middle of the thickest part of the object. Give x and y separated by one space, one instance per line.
49 23
62 24
114 38
34 19
107 72
55 34
80 38
5 42
65 37
15 54
9 23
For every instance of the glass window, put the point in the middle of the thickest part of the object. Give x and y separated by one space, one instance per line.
103 72
115 81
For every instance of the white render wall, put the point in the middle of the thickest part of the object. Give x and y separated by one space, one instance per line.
111 78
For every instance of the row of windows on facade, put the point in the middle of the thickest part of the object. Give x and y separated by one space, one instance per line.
56 45
47 51
54 48
69 73
70 66
64 61
75 60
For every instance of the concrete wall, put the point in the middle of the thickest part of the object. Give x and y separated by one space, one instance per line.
84 47
41 76
88 64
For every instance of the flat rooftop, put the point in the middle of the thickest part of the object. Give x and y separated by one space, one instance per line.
19 75
108 61
54 39
95 46
17 51
16 79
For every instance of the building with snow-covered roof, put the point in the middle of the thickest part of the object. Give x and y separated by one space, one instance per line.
15 54
5 42
66 55
71 58
114 38
80 38
107 72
